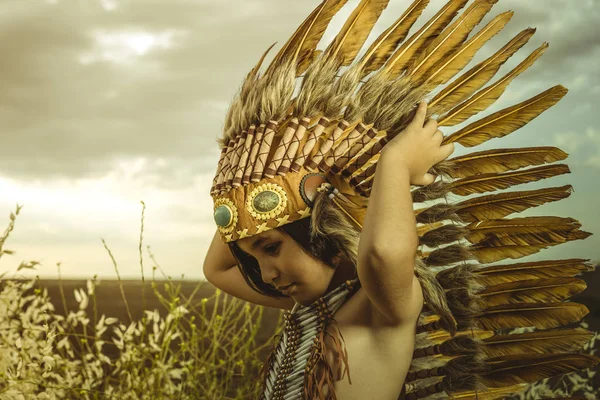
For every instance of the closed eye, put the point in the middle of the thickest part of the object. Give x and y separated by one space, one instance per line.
272 248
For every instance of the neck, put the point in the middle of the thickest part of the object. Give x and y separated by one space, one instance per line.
345 271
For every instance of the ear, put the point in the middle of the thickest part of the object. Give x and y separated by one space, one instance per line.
308 186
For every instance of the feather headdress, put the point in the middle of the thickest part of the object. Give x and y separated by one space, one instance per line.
316 116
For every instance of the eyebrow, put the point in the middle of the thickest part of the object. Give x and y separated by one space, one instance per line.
258 242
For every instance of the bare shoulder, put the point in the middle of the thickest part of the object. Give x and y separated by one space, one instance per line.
233 283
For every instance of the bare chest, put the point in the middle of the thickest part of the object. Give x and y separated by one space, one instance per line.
379 355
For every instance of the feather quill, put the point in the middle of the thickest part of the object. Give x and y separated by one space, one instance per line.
502 204
472 80
445 51
409 51
490 254
532 291
484 230
494 181
513 369
488 96
302 44
235 120
489 393
381 49
486 182
502 160
540 315
447 69
506 121
496 274
355 31
551 341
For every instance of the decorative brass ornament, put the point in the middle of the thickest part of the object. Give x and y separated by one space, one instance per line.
266 201
225 215
308 186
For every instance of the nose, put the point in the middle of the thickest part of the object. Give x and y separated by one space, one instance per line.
268 272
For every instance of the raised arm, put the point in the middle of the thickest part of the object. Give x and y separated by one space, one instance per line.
219 257
388 243
220 269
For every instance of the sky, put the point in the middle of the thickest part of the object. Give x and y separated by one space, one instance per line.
104 104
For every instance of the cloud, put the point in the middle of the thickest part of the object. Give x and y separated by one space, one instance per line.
585 143
82 85
107 103
86 84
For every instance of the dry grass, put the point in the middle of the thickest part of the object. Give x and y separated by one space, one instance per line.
189 348
197 349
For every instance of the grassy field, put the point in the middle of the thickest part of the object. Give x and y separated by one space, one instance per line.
110 301
121 339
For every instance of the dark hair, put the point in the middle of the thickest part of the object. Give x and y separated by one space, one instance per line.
323 249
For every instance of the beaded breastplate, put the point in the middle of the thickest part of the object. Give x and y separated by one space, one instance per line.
290 368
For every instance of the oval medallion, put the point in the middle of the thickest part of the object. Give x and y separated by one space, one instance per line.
266 201
223 216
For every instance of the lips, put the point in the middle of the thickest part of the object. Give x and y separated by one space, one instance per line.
285 289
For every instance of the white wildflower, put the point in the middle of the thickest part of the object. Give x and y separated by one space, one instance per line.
90 287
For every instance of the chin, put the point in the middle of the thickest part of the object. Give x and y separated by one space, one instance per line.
305 301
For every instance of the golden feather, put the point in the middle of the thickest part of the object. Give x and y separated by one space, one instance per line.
502 204
502 160
461 57
305 61
472 80
551 341
513 369
440 336
544 236
292 47
488 96
491 206
486 253
409 51
496 274
504 122
541 315
445 52
381 49
303 42
489 393
491 182
234 121
483 230
532 291
355 31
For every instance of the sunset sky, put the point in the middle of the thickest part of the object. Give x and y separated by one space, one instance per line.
107 103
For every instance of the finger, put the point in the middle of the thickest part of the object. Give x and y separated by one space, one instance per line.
430 125
438 136
420 115
429 179
447 150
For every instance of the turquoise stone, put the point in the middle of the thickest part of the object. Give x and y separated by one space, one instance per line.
266 201
223 216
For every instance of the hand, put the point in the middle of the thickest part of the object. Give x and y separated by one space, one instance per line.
419 147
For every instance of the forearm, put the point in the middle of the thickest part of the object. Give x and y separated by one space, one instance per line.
389 229
218 256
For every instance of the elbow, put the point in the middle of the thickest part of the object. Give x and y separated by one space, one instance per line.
390 252
206 271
